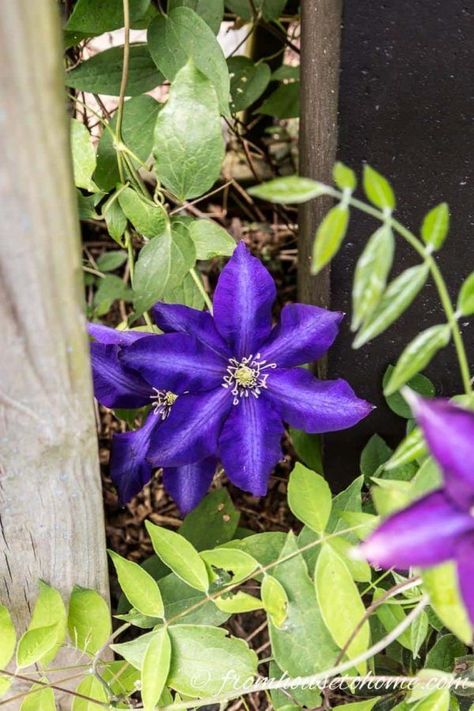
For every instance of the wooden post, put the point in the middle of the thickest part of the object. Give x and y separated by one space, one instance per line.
51 516
320 41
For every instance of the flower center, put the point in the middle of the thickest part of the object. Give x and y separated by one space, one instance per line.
163 401
246 376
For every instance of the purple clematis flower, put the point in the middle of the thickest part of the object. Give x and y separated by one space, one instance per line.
236 376
439 526
117 387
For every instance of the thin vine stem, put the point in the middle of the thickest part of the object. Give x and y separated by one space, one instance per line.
438 278
201 288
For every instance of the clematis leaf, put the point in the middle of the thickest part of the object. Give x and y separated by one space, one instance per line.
417 355
83 156
248 81
238 602
91 687
411 448
359 569
435 226
211 11
179 555
92 18
139 587
466 297
149 219
436 701
442 587
329 236
7 637
397 402
47 628
239 564
275 600
378 189
444 652
291 190
155 668
39 699
89 621
309 498
344 177
370 278
397 298
283 103
210 239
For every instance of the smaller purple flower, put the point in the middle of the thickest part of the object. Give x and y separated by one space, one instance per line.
117 387
237 376
439 526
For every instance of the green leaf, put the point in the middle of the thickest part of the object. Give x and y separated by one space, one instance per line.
367 705
466 297
155 669
443 653
375 453
189 145
178 598
102 73
109 261
305 696
359 569
435 226
365 522
417 355
90 686
7 637
139 587
286 71
179 555
115 219
329 236
186 293
89 620
308 448
181 36
47 628
213 522
411 448
340 603
378 189
418 632
42 699
390 616
149 219
92 19
397 403
236 562
86 205
397 298
211 11
5 684
248 81
436 701
238 602
309 498
211 240
442 587
111 288
344 177
83 156
274 599
162 264
139 118
196 672
283 103
271 9
371 272
290 190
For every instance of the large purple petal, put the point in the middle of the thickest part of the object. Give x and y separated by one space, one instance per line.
183 319
129 468
243 302
187 485
424 534
465 567
303 335
176 362
115 385
191 432
449 432
104 334
314 405
250 444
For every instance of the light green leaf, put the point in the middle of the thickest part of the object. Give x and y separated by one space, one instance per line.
442 587
36 644
188 605
189 145
309 498
139 118
211 11
115 219
240 564
102 73
411 448
94 18
397 298
417 355
83 156
418 631
248 81
436 701
344 177
149 219
378 189
375 453
367 705
134 652
162 264
340 603
179 555
42 699
435 226
308 448
155 669
290 190
5 684
274 599
181 36
109 261
7 637
390 616
90 686
210 239
397 402
466 297
286 71
329 236
110 288
359 569
283 103
89 620
139 587
196 672
238 602
186 293
371 272
47 629
365 522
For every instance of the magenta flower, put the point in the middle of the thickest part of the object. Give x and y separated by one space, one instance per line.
117 387
236 376
439 526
